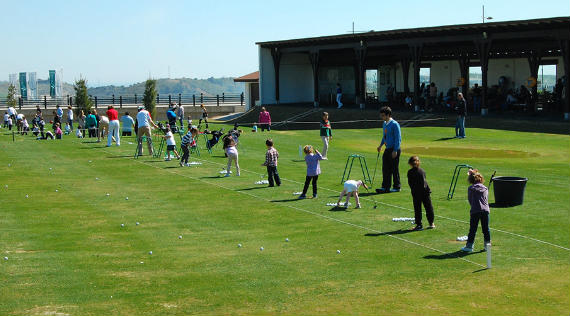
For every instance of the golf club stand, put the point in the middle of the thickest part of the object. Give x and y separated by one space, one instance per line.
139 145
363 167
455 177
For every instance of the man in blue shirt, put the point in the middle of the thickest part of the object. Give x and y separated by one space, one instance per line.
391 137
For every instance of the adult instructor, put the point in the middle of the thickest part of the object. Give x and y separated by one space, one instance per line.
391 137
144 122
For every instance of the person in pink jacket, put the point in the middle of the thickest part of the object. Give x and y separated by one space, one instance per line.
264 119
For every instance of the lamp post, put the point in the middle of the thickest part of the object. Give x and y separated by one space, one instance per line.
485 17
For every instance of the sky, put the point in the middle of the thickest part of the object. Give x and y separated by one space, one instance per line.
124 42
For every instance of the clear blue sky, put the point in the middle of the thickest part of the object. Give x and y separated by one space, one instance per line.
121 42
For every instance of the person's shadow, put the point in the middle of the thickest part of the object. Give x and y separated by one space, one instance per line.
394 232
452 255
444 138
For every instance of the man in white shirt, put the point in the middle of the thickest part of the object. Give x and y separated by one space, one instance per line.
144 122
12 113
70 117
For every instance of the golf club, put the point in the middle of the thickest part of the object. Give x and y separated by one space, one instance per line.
372 197
375 167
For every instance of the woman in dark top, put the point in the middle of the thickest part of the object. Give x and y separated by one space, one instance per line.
420 193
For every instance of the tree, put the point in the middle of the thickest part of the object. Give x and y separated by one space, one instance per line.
81 97
11 98
149 98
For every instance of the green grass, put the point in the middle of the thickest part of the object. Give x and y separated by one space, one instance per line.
68 253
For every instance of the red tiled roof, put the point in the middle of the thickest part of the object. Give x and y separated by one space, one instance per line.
252 77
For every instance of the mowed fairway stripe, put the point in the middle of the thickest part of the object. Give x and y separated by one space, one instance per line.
300 209
410 210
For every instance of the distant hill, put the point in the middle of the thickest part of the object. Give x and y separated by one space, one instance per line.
185 86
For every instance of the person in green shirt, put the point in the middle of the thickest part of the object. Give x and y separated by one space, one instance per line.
326 133
91 124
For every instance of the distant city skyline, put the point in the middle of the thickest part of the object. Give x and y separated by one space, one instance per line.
124 42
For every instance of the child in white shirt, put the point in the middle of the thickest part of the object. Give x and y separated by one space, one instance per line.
170 144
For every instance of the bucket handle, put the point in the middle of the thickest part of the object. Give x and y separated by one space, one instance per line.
491 180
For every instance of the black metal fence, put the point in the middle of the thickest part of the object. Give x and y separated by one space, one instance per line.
130 100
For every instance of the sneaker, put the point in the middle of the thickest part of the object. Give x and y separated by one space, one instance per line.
227 175
357 205
486 245
181 164
237 174
467 249
431 226
302 196
395 190
345 205
418 228
314 196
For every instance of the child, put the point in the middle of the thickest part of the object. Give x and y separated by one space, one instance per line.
271 157
203 117
188 140
312 157
10 123
170 144
351 187
326 133
232 153
189 122
25 126
36 130
78 133
6 117
477 194
57 131
420 193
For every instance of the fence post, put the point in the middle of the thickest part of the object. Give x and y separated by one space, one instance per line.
95 101
241 99
193 100
121 101
157 98
180 99
113 99
201 98
68 103
217 99
20 101
135 99
169 99
223 97
71 101
45 102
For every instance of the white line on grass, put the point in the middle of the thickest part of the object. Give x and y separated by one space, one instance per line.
407 209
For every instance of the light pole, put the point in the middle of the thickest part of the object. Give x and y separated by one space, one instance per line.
485 17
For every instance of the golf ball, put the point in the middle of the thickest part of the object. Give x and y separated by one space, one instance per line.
287 239
122 225
180 237
89 160
108 194
49 168
5 258
338 251
56 190
137 223
141 262
261 249
26 196
239 245
127 198
9 165
150 252
96 178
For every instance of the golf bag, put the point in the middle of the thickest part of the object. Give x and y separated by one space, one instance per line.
216 135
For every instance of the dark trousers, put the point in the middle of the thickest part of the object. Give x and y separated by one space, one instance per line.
265 127
307 181
390 169
92 132
424 198
273 176
185 154
474 222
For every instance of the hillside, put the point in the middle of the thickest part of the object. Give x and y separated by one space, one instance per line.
185 86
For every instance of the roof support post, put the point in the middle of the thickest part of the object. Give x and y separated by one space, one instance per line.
360 54
406 73
463 60
565 48
314 58
483 49
416 54
534 60
276 54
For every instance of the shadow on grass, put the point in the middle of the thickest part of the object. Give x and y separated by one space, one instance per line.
394 232
297 160
252 188
339 209
495 205
287 200
452 255
444 139
90 142
123 156
212 177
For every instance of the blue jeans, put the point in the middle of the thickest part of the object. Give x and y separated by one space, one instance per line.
460 126
474 222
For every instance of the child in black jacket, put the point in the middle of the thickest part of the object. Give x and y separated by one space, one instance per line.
420 193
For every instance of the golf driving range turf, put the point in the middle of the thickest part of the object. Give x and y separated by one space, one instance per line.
67 252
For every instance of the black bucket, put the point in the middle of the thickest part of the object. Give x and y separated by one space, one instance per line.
509 191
